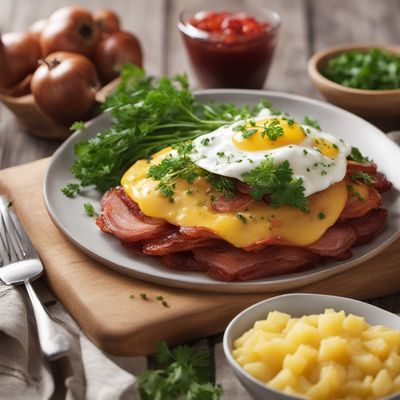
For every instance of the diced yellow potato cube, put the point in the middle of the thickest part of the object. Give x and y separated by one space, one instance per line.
379 347
355 373
321 390
302 333
334 374
354 325
267 326
392 363
334 348
259 370
296 363
246 336
311 320
274 351
352 397
382 384
278 318
331 324
290 391
284 378
237 352
369 363
304 384
308 352
356 345
356 388
291 323
396 384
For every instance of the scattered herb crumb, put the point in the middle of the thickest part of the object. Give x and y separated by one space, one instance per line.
143 296
321 215
71 190
89 209
312 122
241 218
159 298
131 296
77 126
9 204
164 303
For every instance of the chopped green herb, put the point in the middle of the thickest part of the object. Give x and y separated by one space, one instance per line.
272 129
363 176
185 374
305 152
147 115
321 215
205 141
241 218
164 303
374 69
278 183
220 154
159 298
355 155
9 204
358 195
131 296
312 122
143 296
89 209
71 189
77 126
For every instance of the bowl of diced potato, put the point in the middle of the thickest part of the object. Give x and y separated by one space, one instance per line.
310 346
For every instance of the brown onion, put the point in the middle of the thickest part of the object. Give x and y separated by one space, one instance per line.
64 86
114 51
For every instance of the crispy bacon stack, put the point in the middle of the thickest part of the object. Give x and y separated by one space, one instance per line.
197 249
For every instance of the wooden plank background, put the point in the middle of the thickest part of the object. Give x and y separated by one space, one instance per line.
308 25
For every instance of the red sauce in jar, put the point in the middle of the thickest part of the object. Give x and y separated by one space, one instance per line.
229 49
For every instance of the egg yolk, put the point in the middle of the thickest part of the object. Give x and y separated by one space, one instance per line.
268 134
327 148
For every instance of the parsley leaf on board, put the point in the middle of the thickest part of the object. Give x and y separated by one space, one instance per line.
186 374
278 183
147 116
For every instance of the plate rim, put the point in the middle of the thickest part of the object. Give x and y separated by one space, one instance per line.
214 285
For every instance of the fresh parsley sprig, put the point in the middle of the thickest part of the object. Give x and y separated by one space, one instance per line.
270 128
147 115
186 374
181 167
277 182
356 155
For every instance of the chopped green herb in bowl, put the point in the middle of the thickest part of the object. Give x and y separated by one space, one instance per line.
374 69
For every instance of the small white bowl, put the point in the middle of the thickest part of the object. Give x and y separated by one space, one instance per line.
296 304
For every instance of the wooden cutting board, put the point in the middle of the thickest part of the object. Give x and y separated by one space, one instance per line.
100 299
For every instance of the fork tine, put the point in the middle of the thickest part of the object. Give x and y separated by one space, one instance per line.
15 249
24 240
4 257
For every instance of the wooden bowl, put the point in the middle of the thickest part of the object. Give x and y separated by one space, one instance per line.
375 105
38 123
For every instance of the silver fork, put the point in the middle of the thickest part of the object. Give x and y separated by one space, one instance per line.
19 264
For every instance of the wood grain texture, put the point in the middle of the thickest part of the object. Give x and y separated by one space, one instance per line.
100 298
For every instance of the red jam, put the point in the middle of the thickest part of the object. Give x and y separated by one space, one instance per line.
229 49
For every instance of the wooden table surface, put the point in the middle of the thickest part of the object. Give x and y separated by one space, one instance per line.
308 25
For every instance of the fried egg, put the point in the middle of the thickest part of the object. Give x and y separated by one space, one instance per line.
316 157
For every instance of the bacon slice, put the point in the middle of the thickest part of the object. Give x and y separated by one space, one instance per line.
183 261
197 232
135 209
381 183
354 166
356 207
237 203
174 242
230 264
369 225
117 219
336 242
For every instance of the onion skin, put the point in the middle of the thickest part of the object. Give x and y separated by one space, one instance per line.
21 88
37 27
64 87
107 21
114 51
70 29
19 55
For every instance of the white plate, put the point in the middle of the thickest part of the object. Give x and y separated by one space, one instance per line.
69 216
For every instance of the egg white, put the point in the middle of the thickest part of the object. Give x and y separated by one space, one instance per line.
216 153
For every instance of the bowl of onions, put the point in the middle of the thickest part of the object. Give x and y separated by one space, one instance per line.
63 68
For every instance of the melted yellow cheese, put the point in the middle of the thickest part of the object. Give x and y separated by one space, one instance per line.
258 223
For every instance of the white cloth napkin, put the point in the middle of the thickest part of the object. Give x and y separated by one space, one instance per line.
86 373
